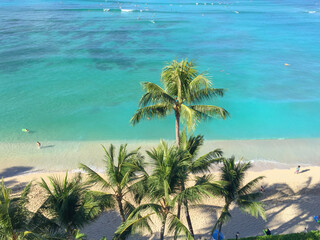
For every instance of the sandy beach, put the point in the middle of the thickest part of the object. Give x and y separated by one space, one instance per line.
290 200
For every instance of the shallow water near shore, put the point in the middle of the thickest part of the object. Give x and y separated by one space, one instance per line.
62 155
70 70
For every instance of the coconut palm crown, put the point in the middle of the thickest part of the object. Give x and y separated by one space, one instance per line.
235 192
184 88
70 203
194 165
160 199
122 173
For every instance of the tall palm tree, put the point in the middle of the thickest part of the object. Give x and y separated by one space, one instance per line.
70 204
235 192
120 175
195 165
184 87
162 184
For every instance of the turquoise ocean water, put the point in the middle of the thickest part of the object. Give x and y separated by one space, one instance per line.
70 70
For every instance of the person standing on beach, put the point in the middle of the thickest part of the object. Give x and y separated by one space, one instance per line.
298 169
39 145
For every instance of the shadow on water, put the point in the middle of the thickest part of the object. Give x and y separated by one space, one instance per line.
47 146
14 171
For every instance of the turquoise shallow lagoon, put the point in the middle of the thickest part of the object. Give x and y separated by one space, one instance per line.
70 70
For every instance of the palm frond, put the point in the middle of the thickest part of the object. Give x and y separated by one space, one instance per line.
130 226
94 177
192 143
254 208
160 110
203 163
110 166
216 188
194 194
209 111
200 95
128 208
200 82
190 117
70 203
250 186
179 228
154 94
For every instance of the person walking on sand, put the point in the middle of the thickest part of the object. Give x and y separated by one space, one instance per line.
39 145
298 169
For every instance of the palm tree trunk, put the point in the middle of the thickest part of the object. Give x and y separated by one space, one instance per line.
163 228
179 211
222 218
186 210
177 114
188 217
14 236
69 233
220 226
119 201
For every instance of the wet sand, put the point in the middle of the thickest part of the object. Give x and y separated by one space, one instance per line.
61 155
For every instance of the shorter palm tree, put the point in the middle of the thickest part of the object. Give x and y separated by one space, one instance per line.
70 204
17 222
162 184
195 165
14 216
120 176
234 191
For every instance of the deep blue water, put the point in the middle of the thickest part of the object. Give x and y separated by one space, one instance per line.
70 70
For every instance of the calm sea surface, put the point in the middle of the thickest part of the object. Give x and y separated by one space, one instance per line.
70 70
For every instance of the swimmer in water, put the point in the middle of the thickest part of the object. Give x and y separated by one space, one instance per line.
148 118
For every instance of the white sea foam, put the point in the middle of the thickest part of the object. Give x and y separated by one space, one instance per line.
127 10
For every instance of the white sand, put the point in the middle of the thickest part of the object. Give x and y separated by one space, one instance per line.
290 201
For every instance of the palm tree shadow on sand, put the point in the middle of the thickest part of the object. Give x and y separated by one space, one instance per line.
14 171
278 197
15 185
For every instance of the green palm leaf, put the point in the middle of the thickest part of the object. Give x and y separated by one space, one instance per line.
95 177
158 110
179 228
210 111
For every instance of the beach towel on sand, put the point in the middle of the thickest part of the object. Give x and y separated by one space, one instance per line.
215 235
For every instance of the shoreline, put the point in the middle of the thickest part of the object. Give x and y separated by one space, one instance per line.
63 155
